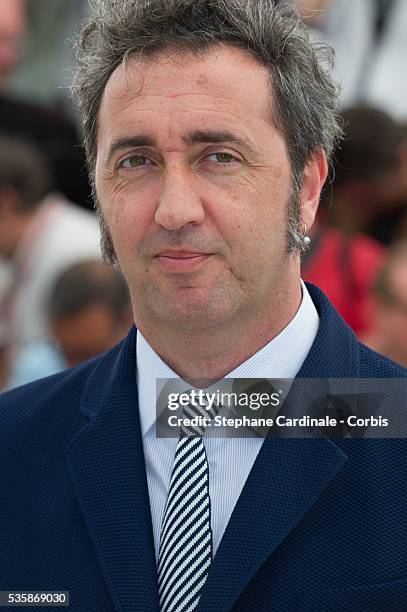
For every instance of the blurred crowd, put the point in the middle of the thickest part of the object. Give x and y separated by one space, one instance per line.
358 247
60 305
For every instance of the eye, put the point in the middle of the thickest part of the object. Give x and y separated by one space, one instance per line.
222 158
135 161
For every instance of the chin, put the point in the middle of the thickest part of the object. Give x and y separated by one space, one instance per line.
193 311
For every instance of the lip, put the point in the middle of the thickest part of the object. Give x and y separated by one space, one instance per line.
181 261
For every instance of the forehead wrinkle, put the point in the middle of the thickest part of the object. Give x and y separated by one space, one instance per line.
221 122
128 97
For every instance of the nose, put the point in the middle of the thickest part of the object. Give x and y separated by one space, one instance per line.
180 202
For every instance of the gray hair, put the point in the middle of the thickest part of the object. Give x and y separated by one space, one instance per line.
303 96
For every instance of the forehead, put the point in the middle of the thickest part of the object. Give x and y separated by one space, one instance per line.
225 83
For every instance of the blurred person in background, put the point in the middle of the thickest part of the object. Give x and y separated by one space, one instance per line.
44 71
370 174
49 127
397 222
388 334
40 234
12 32
369 178
350 30
89 311
371 48
386 86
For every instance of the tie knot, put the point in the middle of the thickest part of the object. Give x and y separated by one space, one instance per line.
196 417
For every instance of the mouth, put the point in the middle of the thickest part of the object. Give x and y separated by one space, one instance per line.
181 261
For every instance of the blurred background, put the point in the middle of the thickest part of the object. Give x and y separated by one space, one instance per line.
60 305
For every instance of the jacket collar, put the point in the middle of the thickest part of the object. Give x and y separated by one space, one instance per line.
335 351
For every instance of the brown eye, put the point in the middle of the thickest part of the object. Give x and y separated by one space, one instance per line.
223 158
135 161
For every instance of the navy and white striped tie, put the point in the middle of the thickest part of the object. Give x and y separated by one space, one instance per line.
186 535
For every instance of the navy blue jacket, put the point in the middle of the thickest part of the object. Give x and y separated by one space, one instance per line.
320 525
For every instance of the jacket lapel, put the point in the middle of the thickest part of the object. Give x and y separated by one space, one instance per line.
286 480
287 477
107 471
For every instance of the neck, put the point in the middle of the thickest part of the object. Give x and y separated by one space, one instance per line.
213 352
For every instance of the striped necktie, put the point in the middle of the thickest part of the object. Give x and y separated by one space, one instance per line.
186 535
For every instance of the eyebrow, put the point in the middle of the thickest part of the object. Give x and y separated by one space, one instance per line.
212 136
195 137
130 142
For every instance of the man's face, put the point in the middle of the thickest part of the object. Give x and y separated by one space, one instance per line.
12 31
194 183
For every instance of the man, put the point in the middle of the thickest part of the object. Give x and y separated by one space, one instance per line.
208 126
41 234
47 128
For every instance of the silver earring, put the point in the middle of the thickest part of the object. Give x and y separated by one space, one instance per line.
302 240
305 238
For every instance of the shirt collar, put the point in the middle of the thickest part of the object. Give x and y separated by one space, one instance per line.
282 357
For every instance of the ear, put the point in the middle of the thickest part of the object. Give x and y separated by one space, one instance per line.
314 176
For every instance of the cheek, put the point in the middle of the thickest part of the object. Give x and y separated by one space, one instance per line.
256 213
128 218
252 220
